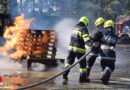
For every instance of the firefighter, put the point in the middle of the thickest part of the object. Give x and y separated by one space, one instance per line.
104 43
107 52
92 56
77 48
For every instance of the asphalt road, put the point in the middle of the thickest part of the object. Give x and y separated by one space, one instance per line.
120 79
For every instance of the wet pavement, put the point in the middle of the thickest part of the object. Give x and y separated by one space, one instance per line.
120 79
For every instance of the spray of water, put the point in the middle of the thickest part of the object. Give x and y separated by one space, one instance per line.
63 31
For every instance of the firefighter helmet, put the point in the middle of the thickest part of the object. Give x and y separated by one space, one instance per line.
109 23
84 20
99 21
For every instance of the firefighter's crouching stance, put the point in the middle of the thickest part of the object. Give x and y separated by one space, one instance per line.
107 41
107 53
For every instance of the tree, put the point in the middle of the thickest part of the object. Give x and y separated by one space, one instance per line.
3 7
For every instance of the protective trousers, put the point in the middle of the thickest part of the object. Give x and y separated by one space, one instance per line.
91 61
108 67
70 60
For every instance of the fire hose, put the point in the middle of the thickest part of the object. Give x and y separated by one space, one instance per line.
50 78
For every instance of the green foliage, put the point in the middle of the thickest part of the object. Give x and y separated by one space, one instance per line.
108 9
115 8
127 8
3 7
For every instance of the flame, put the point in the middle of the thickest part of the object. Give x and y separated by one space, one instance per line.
13 35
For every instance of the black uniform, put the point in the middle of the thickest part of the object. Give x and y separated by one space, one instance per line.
77 49
107 39
107 54
95 37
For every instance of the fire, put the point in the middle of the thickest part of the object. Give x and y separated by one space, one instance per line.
13 36
28 42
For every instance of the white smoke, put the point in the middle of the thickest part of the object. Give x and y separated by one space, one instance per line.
5 62
63 31
38 67
8 64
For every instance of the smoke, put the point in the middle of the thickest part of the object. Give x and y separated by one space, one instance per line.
5 62
8 64
38 67
63 31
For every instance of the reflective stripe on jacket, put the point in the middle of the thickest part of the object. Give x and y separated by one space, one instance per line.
80 50
78 38
107 58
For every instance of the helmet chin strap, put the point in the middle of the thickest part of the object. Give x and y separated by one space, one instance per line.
100 27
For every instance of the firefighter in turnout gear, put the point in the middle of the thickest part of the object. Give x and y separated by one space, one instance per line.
77 48
92 56
107 52
103 42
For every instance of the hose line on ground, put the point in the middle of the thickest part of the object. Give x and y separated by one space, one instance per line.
50 78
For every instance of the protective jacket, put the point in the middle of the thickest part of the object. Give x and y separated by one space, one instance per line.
108 41
78 38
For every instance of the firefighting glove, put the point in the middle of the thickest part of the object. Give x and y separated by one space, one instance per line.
88 44
95 47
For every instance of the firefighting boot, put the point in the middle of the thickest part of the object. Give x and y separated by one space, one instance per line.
106 76
83 78
65 75
88 74
66 72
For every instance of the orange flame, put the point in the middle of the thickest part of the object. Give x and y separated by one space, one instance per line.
13 34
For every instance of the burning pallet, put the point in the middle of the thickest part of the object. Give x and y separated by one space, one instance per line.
37 46
33 45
